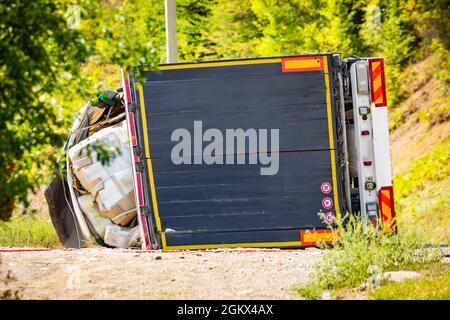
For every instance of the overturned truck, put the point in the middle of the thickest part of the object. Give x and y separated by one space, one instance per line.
262 152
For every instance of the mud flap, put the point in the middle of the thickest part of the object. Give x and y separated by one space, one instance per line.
60 212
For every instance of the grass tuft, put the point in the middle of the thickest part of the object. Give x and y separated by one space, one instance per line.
28 231
362 254
434 285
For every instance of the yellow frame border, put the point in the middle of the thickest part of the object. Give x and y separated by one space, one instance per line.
150 167
149 160
331 137
208 64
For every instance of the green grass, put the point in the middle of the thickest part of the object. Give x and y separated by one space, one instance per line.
28 231
363 255
421 195
434 285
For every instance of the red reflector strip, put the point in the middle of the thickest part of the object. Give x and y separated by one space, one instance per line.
367 163
314 237
386 205
127 90
298 64
137 159
145 229
139 190
365 132
132 128
377 82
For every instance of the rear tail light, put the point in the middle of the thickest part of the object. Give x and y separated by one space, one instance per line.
377 82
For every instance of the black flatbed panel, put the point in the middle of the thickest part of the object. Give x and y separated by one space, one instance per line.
294 102
203 203
207 197
267 238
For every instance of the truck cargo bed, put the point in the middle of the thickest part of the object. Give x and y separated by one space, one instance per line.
201 205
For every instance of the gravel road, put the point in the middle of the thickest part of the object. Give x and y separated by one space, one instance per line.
98 273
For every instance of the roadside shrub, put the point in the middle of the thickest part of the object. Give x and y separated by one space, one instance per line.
363 253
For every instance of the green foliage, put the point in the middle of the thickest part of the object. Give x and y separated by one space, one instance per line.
41 62
396 30
433 166
363 254
392 40
396 119
192 21
310 291
230 30
441 64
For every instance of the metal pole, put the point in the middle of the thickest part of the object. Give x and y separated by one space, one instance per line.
171 31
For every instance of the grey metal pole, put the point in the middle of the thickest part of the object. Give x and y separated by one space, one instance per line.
171 31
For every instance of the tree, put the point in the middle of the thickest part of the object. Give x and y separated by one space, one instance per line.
41 71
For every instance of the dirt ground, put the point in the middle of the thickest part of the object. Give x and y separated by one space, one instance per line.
99 273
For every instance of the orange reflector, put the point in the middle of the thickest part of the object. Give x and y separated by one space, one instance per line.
313 237
298 64
377 82
386 205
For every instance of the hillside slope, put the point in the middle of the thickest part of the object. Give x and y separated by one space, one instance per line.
420 150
